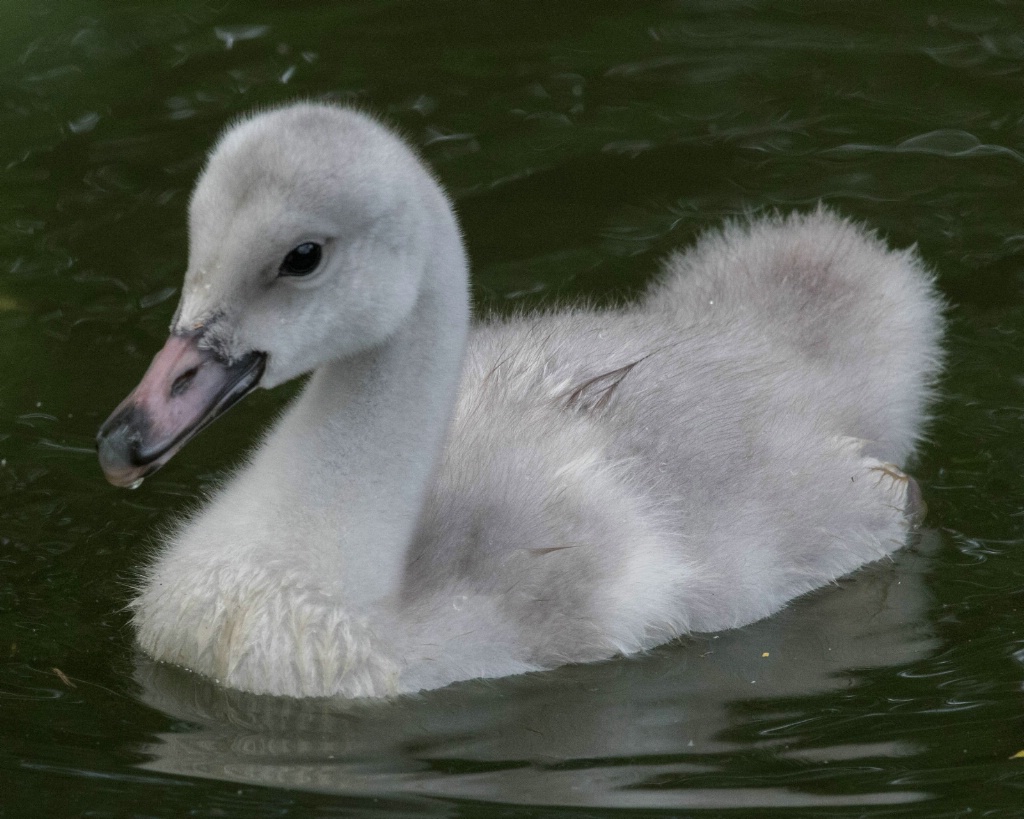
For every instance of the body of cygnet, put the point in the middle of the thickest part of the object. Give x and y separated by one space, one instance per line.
445 501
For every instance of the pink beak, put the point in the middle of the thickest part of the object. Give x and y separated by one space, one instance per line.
184 389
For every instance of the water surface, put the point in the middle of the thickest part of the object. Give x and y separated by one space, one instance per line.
582 142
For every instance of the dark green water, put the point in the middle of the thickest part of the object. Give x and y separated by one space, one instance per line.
582 140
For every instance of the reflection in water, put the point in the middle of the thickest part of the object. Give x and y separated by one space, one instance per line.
654 731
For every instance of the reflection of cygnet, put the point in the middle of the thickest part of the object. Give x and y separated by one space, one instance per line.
677 709
443 503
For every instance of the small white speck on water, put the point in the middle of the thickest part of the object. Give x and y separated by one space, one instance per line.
135 484
459 602
38 404
3 462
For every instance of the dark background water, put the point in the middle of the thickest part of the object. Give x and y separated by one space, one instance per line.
582 141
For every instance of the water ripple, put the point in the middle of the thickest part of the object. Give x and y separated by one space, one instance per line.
949 143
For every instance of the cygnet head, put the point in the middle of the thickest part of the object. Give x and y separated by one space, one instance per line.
309 233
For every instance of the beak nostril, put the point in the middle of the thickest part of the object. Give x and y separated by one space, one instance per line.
183 381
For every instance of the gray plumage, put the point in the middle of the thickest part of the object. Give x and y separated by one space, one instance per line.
599 482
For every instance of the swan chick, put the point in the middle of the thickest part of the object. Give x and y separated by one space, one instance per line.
444 501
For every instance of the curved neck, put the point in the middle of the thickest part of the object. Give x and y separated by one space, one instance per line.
364 438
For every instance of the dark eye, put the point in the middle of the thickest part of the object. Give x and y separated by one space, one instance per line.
301 261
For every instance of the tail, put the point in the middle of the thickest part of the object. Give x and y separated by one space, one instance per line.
845 318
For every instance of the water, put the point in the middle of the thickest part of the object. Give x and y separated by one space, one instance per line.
582 142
